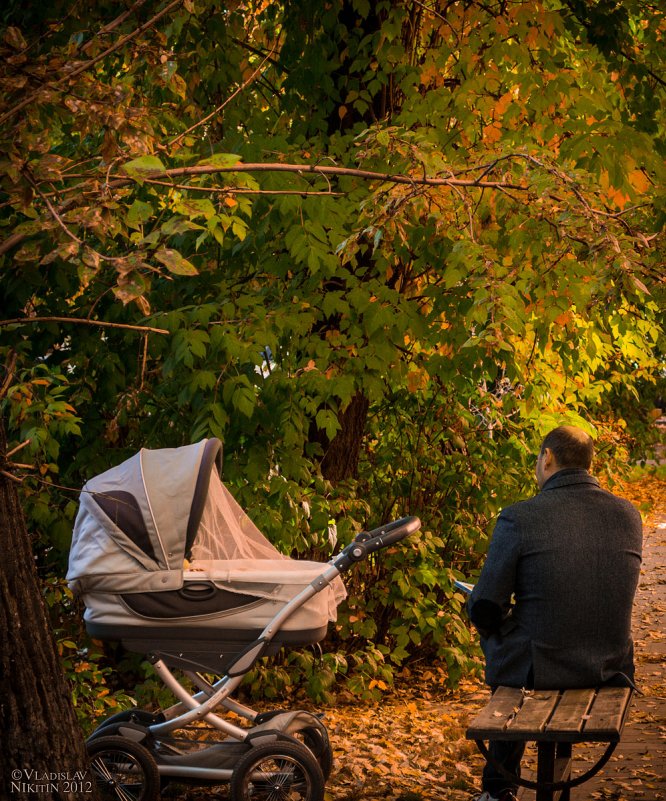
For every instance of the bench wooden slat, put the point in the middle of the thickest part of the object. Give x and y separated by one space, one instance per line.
535 712
573 705
555 719
552 716
493 718
606 717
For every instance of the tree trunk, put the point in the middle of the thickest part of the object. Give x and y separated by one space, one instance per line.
341 455
43 755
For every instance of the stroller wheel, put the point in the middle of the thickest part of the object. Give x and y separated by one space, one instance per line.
320 747
280 771
123 769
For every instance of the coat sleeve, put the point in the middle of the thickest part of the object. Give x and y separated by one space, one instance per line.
490 601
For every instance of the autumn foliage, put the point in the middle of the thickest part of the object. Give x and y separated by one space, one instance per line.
377 248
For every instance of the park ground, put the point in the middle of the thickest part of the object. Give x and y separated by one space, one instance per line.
412 746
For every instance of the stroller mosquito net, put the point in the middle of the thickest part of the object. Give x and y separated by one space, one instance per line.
226 532
231 551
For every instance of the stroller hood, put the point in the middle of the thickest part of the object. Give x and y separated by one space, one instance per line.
137 521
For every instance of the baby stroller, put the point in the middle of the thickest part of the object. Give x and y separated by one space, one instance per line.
169 565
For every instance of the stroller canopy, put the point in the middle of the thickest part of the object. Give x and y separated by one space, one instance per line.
138 522
161 551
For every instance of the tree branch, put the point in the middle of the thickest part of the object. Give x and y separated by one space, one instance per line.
244 85
232 190
116 22
51 209
82 321
10 370
314 169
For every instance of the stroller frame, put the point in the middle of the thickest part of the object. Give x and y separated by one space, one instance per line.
277 729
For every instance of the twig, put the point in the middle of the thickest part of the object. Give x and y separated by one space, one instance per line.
91 63
17 448
244 85
116 22
644 66
51 209
8 244
13 477
103 257
231 190
82 321
144 360
10 369
257 52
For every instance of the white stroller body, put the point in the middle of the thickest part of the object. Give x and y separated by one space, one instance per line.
168 564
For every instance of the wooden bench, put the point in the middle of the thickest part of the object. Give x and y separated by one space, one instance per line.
555 720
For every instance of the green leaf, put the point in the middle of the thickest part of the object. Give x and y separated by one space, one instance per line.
143 167
174 262
138 213
196 208
328 421
220 160
244 400
179 225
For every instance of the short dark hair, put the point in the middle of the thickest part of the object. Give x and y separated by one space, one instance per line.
571 447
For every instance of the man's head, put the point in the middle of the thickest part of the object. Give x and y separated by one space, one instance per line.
563 448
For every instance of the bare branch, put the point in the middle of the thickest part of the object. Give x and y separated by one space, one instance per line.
8 244
82 321
12 477
314 169
243 86
233 190
51 209
17 448
116 22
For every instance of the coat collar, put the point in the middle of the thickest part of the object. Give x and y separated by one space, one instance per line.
567 477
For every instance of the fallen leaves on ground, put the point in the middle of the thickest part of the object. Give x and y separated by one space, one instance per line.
411 746
406 747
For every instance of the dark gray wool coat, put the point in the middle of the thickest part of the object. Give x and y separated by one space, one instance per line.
570 557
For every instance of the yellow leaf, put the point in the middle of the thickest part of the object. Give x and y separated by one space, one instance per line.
639 181
417 379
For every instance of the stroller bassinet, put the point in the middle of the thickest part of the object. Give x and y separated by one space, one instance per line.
168 563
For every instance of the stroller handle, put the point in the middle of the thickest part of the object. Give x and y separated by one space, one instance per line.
368 542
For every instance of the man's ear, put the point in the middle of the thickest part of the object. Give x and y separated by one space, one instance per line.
548 458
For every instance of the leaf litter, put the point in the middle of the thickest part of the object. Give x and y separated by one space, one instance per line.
411 745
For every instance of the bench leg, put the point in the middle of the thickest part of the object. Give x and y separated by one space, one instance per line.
563 756
545 769
553 765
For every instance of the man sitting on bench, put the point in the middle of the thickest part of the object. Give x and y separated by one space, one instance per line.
553 601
